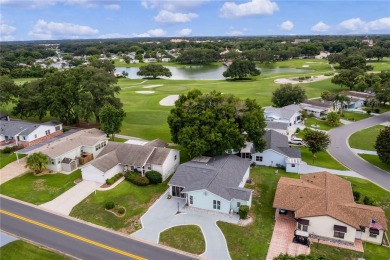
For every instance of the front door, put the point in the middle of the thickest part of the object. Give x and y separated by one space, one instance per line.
358 234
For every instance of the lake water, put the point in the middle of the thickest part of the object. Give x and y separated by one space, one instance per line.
205 72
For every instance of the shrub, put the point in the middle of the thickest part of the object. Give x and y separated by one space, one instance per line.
154 177
113 179
368 201
137 179
10 149
121 211
377 110
369 112
243 211
110 205
298 130
356 195
301 78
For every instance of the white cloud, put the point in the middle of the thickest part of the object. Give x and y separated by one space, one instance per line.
114 35
185 32
356 25
172 5
53 30
234 32
380 24
151 33
170 17
254 7
28 3
320 27
6 32
112 7
108 4
287 25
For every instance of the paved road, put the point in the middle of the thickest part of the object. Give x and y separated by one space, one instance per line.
111 245
340 150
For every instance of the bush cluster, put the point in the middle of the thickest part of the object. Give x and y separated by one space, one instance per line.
113 179
368 201
110 205
154 177
356 195
243 211
10 149
137 179
121 211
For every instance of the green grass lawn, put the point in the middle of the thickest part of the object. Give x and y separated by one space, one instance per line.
323 159
7 158
365 139
135 199
374 159
354 116
18 250
39 189
323 124
383 64
187 238
252 242
117 139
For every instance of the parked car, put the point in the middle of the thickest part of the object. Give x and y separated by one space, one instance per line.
296 140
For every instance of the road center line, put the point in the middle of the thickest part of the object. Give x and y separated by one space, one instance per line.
86 240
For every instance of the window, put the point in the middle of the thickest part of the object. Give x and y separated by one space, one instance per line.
24 137
293 165
35 136
302 227
338 234
259 158
96 147
191 200
374 232
58 128
53 161
175 157
238 204
216 204
47 132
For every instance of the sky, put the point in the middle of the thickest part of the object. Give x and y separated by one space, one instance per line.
22 20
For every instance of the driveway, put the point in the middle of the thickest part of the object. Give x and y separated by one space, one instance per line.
341 151
13 170
282 236
64 203
162 215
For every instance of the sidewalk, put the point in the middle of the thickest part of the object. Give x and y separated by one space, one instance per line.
359 151
305 169
13 170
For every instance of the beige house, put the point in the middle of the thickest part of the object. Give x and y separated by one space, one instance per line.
324 208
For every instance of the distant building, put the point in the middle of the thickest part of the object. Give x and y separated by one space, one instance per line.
178 40
296 41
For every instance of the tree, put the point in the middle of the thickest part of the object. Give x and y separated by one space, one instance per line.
287 94
111 119
154 70
382 145
126 59
354 61
316 141
8 90
339 101
198 56
241 69
348 78
37 162
333 119
327 95
210 124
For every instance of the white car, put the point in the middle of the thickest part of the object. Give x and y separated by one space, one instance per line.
296 140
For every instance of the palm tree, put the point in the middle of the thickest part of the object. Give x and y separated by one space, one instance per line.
339 102
37 162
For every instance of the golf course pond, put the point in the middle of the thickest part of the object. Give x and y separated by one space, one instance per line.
204 72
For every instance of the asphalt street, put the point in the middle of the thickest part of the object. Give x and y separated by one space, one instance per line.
340 150
77 239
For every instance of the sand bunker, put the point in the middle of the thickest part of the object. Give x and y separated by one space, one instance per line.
169 100
144 92
152 86
297 81
305 66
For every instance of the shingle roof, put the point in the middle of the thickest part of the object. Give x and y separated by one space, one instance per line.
276 125
360 95
283 112
322 193
87 137
131 154
157 143
12 128
279 143
222 176
324 104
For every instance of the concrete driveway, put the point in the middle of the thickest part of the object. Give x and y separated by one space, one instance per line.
13 170
341 151
162 215
64 203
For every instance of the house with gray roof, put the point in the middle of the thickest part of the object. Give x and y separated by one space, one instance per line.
277 152
289 114
122 157
26 134
213 183
317 108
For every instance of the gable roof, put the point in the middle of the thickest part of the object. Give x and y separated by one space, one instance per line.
322 104
220 175
157 143
322 193
131 154
282 112
359 95
279 143
16 127
276 125
66 143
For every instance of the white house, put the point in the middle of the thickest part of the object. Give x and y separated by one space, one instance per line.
289 114
26 133
357 99
281 127
215 184
324 208
68 151
122 157
317 108
277 152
